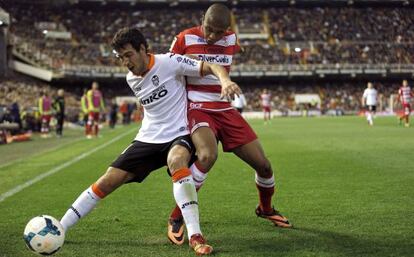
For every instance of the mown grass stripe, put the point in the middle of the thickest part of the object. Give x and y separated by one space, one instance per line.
38 178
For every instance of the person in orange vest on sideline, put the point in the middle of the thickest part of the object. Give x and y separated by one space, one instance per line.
84 111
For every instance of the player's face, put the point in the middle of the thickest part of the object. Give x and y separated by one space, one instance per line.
405 83
212 32
133 60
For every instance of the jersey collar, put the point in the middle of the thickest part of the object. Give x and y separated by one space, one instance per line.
150 64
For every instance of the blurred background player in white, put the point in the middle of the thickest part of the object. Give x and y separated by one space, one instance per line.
95 103
369 100
266 101
239 102
212 118
163 139
404 97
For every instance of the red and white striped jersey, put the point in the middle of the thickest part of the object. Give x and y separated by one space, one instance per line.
205 91
405 94
266 99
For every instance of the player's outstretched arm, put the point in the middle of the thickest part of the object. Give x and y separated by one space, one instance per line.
228 88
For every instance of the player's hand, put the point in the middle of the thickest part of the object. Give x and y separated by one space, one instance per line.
229 89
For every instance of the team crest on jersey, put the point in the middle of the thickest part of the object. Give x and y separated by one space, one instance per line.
155 80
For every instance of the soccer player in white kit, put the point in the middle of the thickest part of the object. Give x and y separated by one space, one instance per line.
163 139
369 99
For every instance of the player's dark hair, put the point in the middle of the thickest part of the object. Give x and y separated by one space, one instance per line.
129 36
219 14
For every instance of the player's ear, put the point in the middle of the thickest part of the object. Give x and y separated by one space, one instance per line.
142 48
202 19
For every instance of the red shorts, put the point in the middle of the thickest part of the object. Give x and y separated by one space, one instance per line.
46 118
406 108
93 116
229 126
266 108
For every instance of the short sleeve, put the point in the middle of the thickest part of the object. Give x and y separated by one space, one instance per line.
185 66
178 44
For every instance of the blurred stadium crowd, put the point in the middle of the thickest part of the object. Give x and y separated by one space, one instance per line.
285 35
323 35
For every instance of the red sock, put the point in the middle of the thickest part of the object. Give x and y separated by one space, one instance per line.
265 198
87 129
176 213
96 129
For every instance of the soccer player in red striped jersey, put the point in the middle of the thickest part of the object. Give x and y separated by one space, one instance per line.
266 100
212 118
95 105
404 97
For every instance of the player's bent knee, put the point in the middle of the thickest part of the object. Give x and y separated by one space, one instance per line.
111 180
207 159
176 161
264 169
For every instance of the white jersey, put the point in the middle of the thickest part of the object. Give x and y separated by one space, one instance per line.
239 101
370 96
162 94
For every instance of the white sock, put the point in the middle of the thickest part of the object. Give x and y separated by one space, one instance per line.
186 198
80 208
198 176
370 118
264 182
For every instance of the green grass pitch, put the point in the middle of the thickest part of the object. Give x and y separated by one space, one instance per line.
348 189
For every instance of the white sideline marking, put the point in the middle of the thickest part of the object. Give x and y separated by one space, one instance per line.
19 188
